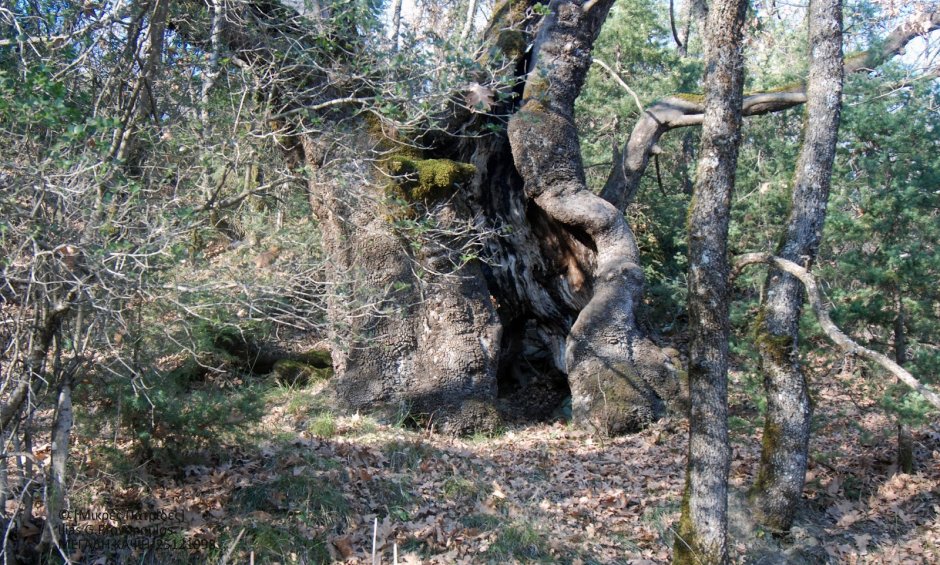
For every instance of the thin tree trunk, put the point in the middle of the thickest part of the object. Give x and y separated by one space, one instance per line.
905 439
776 492
212 65
468 23
702 534
56 488
396 23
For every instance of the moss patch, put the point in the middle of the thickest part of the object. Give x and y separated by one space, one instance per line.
690 97
776 347
512 43
290 372
506 14
536 88
428 179
795 86
622 404
319 358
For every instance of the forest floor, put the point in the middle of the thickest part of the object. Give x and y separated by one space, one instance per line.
307 486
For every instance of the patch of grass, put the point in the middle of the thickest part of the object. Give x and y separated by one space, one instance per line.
482 522
274 542
459 488
361 426
626 541
309 497
520 542
407 456
322 425
661 517
117 463
405 417
412 545
303 402
484 436
739 425
394 496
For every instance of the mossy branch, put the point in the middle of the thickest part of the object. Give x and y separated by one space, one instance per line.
831 330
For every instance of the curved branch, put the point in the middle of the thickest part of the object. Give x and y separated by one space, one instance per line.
831 330
672 25
672 113
685 110
893 44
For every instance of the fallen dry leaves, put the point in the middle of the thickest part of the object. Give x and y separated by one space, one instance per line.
543 493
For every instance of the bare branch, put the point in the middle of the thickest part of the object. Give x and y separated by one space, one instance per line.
831 330
688 110
620 81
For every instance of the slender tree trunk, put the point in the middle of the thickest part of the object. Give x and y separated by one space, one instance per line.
396 22
57 488
779 484
702 534
905 439
468 23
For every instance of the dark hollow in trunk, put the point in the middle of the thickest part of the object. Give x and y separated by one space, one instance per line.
548 313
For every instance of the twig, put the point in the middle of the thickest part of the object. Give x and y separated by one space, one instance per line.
231 548
375 534
620 81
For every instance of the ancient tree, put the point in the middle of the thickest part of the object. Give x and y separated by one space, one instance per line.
553 304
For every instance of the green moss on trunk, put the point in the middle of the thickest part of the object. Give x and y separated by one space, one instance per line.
512 43
687 549
777 348
427 179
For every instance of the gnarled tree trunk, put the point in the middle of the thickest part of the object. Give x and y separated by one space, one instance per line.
619 380
553 307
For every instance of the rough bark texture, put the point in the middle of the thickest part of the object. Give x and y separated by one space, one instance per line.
776 492
428 343
57 487
551 310
619 380
905 439
702 534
